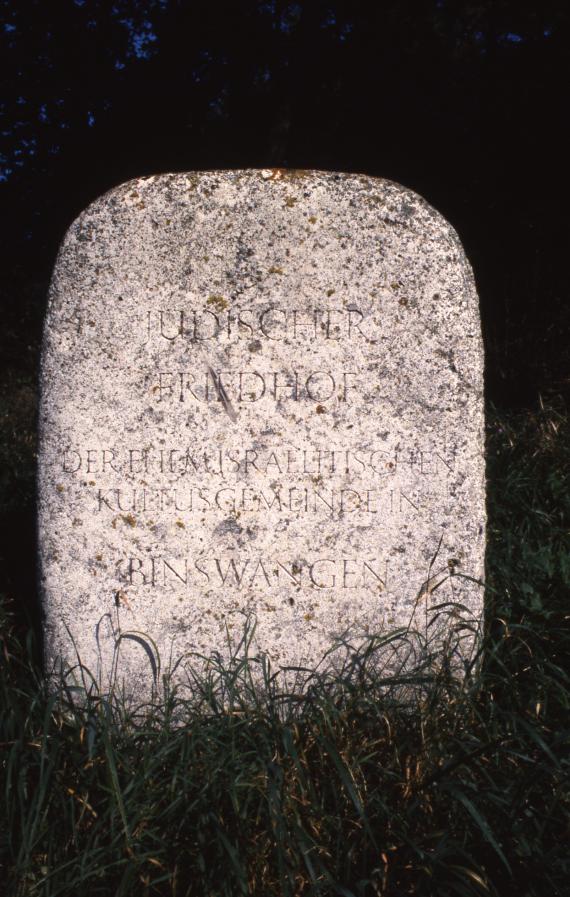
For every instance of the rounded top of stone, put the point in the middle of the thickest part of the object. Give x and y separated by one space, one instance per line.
397 205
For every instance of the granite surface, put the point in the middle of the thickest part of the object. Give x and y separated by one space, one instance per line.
262 394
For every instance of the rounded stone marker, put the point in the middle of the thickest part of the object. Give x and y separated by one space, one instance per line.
261 394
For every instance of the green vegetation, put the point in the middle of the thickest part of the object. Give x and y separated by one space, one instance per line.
353 789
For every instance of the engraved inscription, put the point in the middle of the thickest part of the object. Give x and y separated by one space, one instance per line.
328 482
251 386
261 572
313 461
270 322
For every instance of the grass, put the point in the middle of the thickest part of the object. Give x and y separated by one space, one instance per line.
348 790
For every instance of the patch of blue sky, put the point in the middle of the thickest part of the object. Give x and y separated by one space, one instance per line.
290 17
141 37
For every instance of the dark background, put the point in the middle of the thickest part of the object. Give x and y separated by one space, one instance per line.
464 102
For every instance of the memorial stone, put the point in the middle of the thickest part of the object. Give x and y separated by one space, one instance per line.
261 395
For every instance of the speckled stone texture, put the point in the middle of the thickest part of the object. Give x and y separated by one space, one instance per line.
261 393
